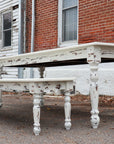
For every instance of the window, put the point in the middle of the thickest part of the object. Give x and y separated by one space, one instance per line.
7 29
67 21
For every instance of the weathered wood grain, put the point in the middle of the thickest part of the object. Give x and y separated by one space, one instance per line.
38 87
92 53
59 56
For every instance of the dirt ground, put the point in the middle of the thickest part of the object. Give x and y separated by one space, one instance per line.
16 122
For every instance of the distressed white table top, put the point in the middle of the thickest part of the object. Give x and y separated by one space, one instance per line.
62 56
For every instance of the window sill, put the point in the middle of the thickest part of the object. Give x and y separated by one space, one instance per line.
6 48
68 43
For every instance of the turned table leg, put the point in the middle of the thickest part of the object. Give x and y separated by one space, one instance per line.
67 108
36 113
94 94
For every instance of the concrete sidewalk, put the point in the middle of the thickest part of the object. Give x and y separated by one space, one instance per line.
16 122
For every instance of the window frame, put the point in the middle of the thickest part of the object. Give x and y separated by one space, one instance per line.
6 47
60 10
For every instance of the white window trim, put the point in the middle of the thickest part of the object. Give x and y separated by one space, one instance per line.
66 43
5 48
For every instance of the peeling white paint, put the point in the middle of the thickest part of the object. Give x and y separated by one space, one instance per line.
81 73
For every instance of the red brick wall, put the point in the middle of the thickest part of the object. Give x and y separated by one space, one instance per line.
46 31
96 22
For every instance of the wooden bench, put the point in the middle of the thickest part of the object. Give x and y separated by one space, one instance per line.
38 87
92 54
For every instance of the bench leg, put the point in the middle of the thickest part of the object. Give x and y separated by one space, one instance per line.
94 94
36 113
0 98
67 108
42 100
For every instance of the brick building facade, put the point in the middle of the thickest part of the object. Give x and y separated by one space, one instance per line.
95 22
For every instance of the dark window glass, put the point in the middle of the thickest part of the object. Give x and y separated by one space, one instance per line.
7 29
7 38
7 20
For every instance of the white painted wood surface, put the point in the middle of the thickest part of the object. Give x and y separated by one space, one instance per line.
94 94
92 52
61 54
67 107
36 113
38 87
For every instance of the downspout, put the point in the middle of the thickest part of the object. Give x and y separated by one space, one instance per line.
20 38
22 4
33 26
20 28
32 33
